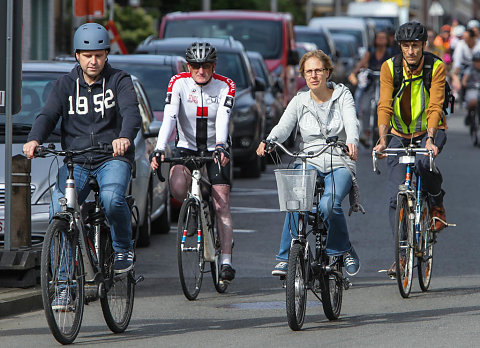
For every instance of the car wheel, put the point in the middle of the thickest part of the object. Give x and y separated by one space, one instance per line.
145 230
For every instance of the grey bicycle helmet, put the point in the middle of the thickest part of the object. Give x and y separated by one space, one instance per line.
201 52
91 37
476 57
411 31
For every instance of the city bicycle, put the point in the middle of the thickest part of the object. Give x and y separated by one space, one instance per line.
77 260
414 237
198 241
299 192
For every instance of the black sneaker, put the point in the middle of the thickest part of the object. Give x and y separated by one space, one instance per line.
227 273
123 262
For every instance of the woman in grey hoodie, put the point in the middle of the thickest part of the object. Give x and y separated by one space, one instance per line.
326 109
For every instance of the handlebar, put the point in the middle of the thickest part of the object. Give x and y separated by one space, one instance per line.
42 151
197 160
331 142
403 151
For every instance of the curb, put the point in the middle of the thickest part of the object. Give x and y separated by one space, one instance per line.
16 301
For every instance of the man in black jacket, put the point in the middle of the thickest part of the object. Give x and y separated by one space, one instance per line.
97 104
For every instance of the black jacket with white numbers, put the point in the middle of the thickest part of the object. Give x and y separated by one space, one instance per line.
99 113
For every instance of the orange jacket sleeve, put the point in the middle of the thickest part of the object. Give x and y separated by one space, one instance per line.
384 109
437 95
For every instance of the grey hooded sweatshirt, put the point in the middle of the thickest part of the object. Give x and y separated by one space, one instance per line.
336 117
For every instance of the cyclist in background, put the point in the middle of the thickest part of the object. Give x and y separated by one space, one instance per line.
97 104
470 82
372 59
413 114
199 103
462 58
326 109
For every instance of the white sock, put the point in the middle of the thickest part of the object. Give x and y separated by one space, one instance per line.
226 259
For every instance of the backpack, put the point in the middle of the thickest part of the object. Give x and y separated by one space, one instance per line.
429 59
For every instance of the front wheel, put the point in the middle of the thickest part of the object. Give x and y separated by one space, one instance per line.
403 247
296 287
427 240
190 259
474 127
332 291
215 266
62 280
117 301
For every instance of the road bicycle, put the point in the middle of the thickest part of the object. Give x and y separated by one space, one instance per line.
414 236
77 260
198 241
299 192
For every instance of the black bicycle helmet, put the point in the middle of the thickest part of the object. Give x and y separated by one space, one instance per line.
201 52
411 31
476 57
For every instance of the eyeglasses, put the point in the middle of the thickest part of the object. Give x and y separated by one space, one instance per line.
197 66
316 71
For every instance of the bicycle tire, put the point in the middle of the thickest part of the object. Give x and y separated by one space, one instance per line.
118 299
215 266
190 259
296 287
57 255
474 125
332 291
403 247
427 241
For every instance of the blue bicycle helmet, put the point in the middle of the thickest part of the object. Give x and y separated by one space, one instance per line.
91 37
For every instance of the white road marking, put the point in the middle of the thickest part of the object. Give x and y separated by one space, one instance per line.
252 192
251 210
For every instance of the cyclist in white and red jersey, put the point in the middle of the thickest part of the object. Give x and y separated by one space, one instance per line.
199 103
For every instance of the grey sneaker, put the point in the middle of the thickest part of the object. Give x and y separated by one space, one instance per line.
280 269
62 301
351 262
123 262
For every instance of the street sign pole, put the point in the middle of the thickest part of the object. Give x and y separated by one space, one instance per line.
8 126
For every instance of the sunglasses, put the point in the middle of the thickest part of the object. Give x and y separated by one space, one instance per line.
197 66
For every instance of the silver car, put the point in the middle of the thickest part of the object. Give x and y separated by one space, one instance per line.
151 195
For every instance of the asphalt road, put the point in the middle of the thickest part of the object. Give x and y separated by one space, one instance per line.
252 312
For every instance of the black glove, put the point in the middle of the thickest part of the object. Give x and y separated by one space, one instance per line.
156 153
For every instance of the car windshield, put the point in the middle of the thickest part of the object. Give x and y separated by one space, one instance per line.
356 33
256 35
228 64
154 79
36 87
259 70
318 39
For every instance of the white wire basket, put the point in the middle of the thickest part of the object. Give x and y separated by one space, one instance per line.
295 189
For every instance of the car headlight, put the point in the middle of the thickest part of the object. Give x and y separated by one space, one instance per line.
46 197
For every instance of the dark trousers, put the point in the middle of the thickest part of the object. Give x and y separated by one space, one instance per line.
431 181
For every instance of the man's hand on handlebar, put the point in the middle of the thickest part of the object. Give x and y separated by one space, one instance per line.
430 146
120 146
224 156
379 149
29 148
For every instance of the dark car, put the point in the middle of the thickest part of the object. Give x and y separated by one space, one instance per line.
323 39
248 113
347 47
151 195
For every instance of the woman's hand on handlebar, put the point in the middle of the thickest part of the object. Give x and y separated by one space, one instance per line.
261 149
353 151
29 148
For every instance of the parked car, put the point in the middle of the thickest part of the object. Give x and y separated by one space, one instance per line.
347 47
248 113
346 25
321 37
271 95
151 196
270 33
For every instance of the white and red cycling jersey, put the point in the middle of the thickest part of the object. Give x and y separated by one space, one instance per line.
201 112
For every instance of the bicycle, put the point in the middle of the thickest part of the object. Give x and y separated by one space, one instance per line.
198 241
374 78
414 236
300 191
77 260
474 119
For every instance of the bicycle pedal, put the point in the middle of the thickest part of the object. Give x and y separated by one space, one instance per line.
140 278
347 283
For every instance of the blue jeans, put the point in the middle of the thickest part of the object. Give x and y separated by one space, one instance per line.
113 178
337 185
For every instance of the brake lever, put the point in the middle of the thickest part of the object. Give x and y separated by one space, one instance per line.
158 171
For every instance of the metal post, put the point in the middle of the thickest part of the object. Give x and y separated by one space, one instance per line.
308 12
273 6
206 5
8 126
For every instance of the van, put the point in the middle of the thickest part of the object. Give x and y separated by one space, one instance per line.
356 27
378 11
269 33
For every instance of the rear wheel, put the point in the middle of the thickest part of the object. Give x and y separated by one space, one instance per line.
296 287
62 280
425 261
190 259
332 291
403 247
117 301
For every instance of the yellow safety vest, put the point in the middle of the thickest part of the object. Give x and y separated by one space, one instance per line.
419 100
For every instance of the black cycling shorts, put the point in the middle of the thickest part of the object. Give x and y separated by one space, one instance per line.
215 178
